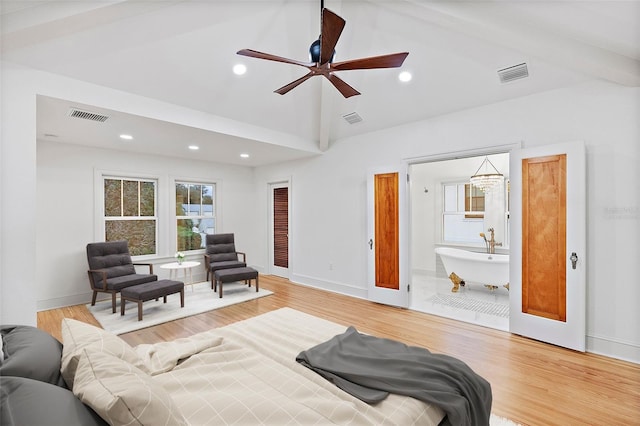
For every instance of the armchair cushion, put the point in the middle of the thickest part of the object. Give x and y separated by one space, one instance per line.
118 283
221 247
227 264
113 256
113 259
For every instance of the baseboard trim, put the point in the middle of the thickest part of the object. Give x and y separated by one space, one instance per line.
614 348
334 287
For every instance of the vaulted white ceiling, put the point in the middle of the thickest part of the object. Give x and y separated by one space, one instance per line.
182 53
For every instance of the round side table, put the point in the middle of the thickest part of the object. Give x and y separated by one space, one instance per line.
186 267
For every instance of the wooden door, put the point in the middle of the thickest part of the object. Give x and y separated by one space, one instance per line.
544 214
548 243
387 226
279 233
281 227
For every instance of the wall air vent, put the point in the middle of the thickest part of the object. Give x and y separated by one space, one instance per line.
352 118
513 73
87 115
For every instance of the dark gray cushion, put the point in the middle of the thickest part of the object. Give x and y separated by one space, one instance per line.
112 255
31 353
114 259
153 290
118 283
221 247
228 264
30 402
236 274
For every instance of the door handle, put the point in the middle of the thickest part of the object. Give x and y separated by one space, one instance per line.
370 244
573 259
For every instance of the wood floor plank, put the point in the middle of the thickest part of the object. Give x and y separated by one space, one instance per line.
533 383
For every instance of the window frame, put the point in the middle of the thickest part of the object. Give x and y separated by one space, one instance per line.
175 217
466 215
101 219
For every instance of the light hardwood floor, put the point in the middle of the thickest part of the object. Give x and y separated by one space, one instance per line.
533 383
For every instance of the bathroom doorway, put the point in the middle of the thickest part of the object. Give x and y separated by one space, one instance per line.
447 211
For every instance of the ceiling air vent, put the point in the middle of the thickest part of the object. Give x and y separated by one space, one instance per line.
513 73
352 118
87 115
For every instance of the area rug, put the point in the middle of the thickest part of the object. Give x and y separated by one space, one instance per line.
469 304
198 298
501 421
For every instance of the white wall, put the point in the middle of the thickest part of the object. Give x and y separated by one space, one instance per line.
329 194
66 218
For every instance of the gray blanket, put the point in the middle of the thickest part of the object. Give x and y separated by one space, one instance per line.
370 368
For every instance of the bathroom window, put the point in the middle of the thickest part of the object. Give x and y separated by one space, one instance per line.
473 202
463 213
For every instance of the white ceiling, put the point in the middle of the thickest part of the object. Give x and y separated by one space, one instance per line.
182 53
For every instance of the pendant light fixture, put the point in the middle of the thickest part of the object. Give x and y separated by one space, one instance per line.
485 178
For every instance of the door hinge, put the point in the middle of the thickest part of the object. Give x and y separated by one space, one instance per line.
408 178
408 287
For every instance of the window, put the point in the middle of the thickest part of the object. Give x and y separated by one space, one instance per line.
473 202
463 213
195 214
130 213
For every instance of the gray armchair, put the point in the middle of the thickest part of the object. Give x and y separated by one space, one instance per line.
221 254
111 269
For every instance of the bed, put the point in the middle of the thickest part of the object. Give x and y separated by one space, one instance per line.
244 373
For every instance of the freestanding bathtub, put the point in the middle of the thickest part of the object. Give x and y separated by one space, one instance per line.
462 266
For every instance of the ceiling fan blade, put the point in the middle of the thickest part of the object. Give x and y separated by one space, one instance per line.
346 90
294 84
260 55
393 60
332 26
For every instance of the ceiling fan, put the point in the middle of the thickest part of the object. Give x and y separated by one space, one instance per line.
322 53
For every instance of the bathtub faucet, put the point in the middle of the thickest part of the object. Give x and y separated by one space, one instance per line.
492 242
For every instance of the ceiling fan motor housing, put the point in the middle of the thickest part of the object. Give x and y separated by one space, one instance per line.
314 52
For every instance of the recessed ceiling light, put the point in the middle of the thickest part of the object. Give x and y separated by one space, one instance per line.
404 76
194 147
239 69
244 155
126 137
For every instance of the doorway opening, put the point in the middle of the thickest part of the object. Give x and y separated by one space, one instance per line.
447 211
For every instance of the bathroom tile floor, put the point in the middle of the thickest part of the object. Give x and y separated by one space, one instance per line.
473 303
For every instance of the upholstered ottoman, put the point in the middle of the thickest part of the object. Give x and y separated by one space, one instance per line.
147 291
245 274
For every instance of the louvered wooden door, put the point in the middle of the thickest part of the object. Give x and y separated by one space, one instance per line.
281 227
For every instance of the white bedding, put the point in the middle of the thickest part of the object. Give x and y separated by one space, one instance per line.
246 374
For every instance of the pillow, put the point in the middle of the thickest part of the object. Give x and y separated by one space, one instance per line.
77 335
30 402
121 393
32 353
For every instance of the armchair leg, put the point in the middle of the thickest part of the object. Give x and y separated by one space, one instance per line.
93 298
113 302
